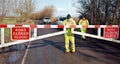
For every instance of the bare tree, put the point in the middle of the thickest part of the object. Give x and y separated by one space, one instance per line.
23 9
116 11
101 11
4 8
48 11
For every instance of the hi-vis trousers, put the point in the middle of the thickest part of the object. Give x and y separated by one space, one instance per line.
69 43
83 30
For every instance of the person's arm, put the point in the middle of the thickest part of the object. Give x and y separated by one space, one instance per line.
87 22
64 22
74 23
80 22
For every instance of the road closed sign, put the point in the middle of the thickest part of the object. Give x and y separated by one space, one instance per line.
111 32
20 33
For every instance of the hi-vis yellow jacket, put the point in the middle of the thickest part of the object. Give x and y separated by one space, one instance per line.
83 22
68 23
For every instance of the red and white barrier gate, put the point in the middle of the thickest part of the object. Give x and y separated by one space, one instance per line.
35 37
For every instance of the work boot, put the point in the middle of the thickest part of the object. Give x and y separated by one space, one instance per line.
72 53
66 52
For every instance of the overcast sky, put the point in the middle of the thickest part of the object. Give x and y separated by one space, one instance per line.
63 7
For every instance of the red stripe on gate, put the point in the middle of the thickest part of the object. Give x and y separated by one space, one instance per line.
33 26
60 26
72 26
18 25
97 26
119 26
47 26
3 25
84 26
109 26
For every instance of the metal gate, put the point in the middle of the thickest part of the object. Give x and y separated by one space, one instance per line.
35 37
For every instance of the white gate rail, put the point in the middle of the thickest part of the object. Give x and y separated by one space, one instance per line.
98 36
32 39
3 44
94 36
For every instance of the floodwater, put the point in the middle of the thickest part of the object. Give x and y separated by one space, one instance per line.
16 54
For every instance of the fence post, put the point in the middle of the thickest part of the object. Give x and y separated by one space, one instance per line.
99 32
2 36
35 32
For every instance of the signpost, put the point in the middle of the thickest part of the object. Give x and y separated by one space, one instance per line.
20 33
111 32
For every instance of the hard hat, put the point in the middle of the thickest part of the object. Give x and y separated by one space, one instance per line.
68 16
84 16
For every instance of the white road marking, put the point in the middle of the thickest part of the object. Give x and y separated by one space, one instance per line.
26 53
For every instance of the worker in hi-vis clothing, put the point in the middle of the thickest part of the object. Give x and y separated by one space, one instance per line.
69 37
82 22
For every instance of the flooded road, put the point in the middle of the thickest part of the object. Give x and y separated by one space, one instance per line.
10 55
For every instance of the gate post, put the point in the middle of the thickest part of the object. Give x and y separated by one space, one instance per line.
35 32
64 29
2 36
99 32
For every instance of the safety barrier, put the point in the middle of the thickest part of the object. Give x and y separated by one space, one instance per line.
3 26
